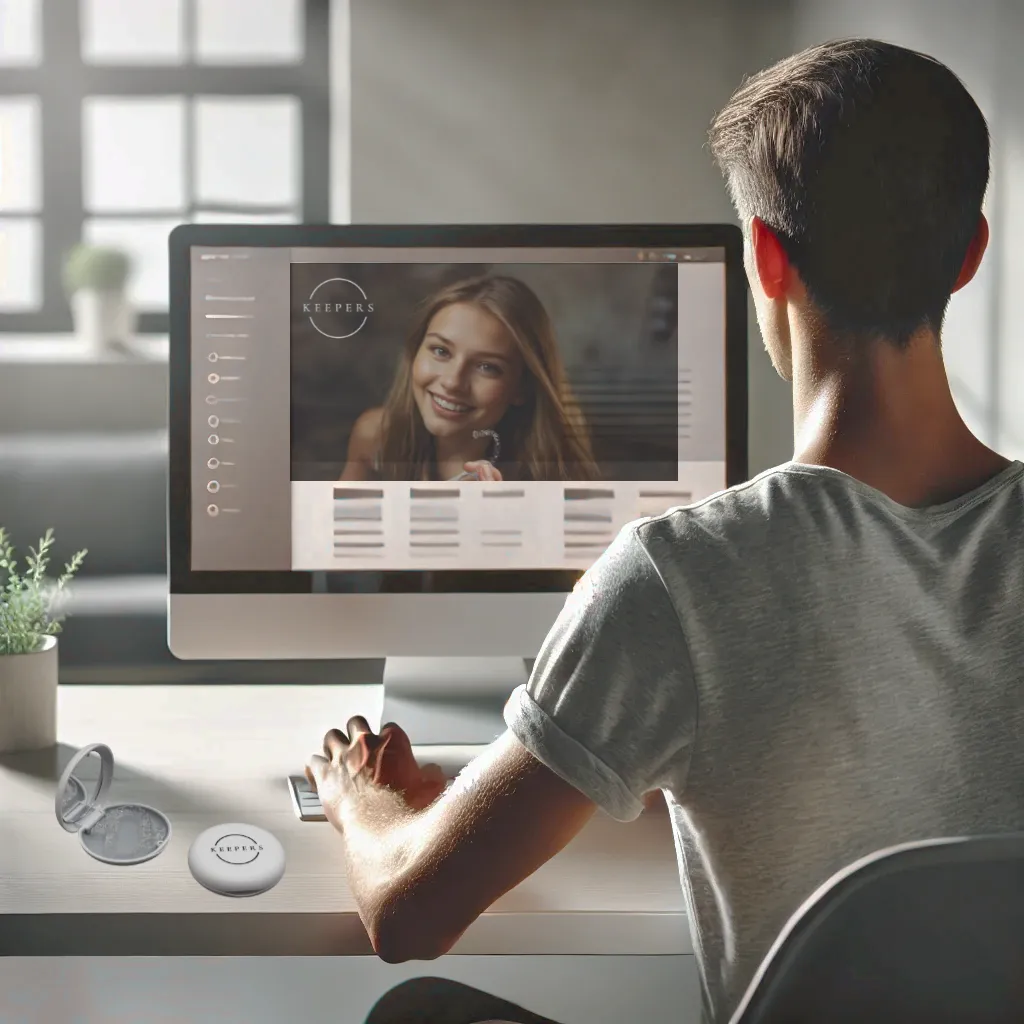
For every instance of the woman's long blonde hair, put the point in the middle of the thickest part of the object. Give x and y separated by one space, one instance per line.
544 438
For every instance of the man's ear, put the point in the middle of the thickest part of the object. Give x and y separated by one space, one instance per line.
769 258
975 252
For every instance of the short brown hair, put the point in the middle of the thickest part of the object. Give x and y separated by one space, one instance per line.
870 163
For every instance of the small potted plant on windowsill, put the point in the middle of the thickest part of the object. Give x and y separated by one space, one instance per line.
95 278
30 619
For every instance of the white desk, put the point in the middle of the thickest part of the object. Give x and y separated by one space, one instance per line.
210 754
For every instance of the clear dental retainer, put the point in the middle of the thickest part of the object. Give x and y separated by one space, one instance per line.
126 833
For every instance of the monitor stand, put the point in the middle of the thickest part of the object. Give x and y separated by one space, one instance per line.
450 703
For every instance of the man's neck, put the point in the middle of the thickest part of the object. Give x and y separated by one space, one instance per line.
887 417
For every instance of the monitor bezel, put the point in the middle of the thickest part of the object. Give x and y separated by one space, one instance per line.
184 580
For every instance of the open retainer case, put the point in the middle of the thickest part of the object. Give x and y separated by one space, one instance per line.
128 833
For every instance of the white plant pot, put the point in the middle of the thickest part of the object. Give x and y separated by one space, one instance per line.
102 318
28 699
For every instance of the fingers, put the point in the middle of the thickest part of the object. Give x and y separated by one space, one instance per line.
483 470
394 762
387 758
357 724
316 766
396 738
489 473
335 745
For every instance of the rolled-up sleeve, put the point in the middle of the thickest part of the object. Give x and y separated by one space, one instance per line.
611 704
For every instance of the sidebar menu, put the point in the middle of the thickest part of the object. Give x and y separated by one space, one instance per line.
241 409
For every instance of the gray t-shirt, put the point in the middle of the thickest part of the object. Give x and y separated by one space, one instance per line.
809 671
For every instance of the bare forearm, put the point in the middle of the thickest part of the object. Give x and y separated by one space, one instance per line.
421 877
376 830
411 908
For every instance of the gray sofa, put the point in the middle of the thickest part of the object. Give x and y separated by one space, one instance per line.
107 492
104 492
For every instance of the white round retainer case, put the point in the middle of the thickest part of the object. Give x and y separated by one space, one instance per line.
127 833
236 859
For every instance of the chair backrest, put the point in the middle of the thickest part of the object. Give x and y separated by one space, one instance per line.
925 933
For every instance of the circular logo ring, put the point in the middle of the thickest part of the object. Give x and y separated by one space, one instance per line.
237 863
341 280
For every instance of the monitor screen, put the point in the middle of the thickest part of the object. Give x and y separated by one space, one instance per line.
410 418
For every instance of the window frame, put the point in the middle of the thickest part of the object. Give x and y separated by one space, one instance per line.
62 215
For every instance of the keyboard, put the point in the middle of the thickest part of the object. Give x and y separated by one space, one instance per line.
305 802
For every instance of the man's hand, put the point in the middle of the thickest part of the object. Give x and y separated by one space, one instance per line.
423 861
361 761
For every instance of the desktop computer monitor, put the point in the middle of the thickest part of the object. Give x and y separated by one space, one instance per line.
410 442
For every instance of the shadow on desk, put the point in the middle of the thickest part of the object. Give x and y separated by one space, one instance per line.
47 765
443 1001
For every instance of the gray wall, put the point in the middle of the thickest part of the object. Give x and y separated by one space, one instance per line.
1009 368
491 111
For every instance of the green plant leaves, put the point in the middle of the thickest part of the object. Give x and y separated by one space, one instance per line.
30 602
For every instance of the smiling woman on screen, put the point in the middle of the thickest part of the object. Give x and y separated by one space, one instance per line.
480 394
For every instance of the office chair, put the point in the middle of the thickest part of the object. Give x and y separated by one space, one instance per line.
930 932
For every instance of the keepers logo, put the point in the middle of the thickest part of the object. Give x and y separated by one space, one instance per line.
338 308
236 849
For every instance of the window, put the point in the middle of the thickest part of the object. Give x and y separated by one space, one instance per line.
120 119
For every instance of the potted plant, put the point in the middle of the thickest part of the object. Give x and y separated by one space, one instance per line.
95 278
30 619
